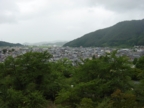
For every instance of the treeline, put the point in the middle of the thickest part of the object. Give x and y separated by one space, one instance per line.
32 81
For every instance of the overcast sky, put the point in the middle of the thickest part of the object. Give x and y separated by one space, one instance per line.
57 20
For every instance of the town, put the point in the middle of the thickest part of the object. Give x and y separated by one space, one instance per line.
73 54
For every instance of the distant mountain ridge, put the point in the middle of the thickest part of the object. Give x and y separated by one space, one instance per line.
122 34
58 43
4 44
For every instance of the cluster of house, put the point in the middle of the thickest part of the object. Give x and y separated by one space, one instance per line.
76 54
73 54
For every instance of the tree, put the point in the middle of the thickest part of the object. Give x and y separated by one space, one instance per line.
97 79
28 81
123 100
4 51
140 63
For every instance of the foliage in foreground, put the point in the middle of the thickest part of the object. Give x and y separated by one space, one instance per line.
31 81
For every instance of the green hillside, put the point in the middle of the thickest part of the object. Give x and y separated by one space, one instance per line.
123 34
3 44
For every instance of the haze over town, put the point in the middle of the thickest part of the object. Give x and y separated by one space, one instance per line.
62 20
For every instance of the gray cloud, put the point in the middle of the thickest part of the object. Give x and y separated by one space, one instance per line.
119 5
50 20
8 11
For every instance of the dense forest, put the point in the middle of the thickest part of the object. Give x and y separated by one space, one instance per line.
4 44
123 34
32 81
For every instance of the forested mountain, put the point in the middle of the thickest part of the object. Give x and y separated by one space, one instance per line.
122 34
2 43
